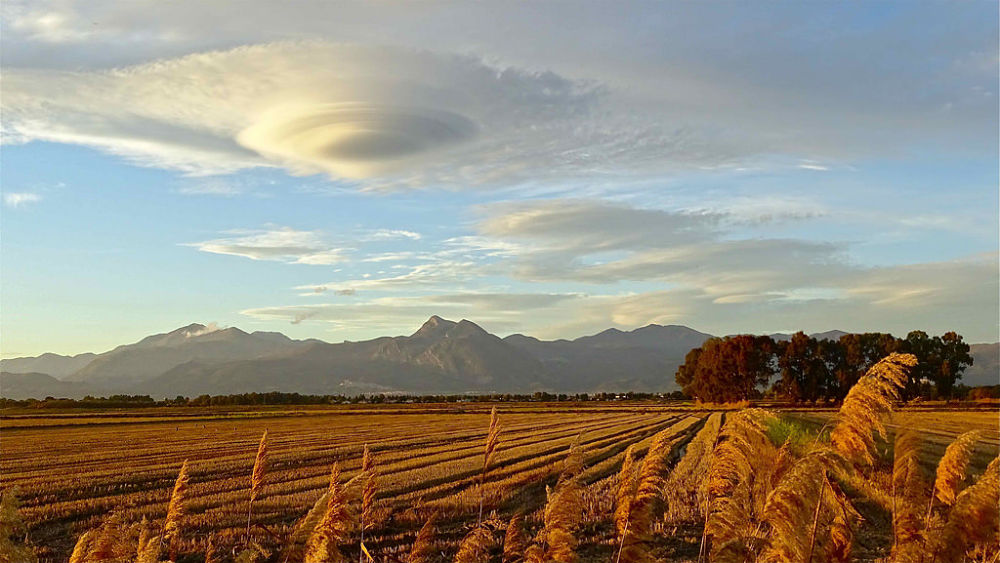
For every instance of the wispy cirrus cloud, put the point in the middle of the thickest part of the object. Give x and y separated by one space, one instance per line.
281 244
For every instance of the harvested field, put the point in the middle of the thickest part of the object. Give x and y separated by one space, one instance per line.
75 470
92 465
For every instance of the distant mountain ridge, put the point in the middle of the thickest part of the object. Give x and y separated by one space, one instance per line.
159 353
48 363
442 356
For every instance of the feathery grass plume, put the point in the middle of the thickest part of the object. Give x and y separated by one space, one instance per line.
635 532
952 467
111 542
562 517
367 496
148 546
909 499
861 413
331 531
424 546
475 546
11 525
740 440
177 508
563 511
252 553
974 520
296 544
840 538
684 500
84 544
257 477
515 541
744 466
625 491
492 438
797 512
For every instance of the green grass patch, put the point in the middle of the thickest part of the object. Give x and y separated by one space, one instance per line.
800 434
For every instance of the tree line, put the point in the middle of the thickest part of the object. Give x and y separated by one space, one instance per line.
806 369
282 398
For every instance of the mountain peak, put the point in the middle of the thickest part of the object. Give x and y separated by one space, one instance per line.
466 328
435 326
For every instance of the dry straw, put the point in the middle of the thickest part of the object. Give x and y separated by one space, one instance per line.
683 497
973 519
148 546
952 467
177 508
635 530
562 515
332 529
861 413
367 495
909 497
11 526
424 547
625 490
295 547
515 540
475 546
257 477
492 439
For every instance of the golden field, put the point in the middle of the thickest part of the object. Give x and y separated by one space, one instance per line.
75 472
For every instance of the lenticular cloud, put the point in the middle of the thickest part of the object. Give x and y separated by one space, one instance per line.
354 139
310 107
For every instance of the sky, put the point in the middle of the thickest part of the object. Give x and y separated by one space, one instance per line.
345 170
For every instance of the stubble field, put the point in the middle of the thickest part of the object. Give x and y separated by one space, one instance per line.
73 471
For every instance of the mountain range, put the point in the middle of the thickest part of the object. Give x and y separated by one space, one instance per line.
443 356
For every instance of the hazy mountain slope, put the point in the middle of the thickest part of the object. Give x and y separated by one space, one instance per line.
51 364
644 359
986 367
441 357
154 355
670 340
39 386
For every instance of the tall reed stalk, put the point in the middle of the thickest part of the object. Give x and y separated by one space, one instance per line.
492 439
257 477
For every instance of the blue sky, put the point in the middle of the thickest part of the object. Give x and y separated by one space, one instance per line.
551 169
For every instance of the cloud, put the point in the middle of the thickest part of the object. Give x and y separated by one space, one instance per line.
207 329
936 297
282 244
391 118
350 111
495 311
17 199
353 139
694 89
438 272
606 243
392 234
214 187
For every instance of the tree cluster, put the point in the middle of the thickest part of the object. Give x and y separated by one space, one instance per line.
803 368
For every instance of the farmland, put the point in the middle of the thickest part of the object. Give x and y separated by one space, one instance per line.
74 469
